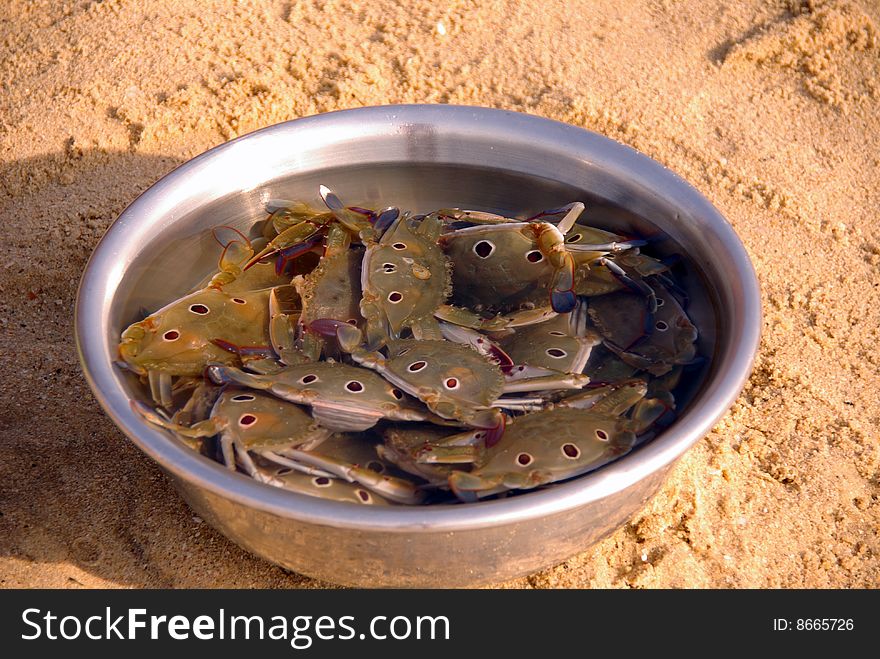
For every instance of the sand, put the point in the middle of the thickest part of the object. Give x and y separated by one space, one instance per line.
771 109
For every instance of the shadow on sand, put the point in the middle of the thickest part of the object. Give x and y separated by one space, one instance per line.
79 503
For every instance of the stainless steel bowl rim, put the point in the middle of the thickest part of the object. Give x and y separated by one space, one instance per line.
104 271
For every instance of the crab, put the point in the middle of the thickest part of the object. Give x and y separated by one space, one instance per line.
455 381
431 452
321 486
330 290
246 421
545 447
653 341
342 397
283 436
353 459
222 322
515 263
404 278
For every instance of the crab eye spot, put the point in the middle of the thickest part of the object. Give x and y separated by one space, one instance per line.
575 238
399 246
601 435
200 309
415 367
354 386
524 459
376 466
238 300
451 383
660 301
242 398
171 335
556 353
555 333
484 249
247 420
397 393
661 326
394 297
571 451
389 268
364 496
308 379
321 481
534 256
352 321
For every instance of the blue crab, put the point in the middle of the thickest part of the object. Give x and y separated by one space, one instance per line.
542 448
655 341
221 322
455 381
341 397
246 421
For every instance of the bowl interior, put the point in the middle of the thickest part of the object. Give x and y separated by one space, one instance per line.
186 253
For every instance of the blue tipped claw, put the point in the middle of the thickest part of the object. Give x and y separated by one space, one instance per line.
563 301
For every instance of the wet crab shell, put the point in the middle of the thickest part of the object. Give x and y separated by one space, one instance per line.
332 290
342 397
256 420
550 345
545 447
179 339
404 277
499 266
449 377
323 487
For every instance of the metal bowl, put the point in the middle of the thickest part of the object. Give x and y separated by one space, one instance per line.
420 158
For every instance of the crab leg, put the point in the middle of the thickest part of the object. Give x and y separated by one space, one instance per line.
293 464
354 221
557 381
612 399
283 317
551 243
160 387
567 222
393 488
290 243
636 285
521 404
478 342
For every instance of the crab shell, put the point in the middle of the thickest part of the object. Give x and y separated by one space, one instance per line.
499 266
405 446
254 421
404 278
550 345
453 380
343 398
332 290
324 487
179 338
655 342
545 447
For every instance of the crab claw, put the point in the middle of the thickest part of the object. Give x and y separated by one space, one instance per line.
385 219
493 421
349 336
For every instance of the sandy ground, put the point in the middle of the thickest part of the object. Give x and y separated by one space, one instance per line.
772 109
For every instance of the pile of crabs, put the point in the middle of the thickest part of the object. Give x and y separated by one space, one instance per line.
379 357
